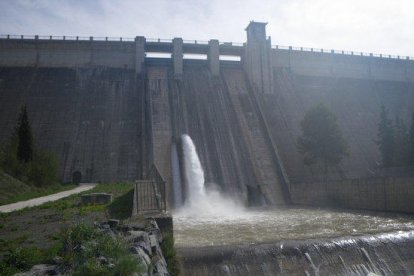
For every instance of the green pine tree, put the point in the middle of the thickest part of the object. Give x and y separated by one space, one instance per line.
386 138
25 138
321 140
402 147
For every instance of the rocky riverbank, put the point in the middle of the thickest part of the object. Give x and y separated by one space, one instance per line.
136 251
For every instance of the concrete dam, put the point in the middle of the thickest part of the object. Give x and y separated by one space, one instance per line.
113 110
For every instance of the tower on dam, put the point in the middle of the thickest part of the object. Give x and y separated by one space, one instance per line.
257 59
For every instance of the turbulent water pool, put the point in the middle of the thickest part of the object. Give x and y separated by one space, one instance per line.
263 226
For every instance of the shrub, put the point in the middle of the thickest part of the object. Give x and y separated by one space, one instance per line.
168 250
83 244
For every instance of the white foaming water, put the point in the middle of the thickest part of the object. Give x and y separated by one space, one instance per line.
199 201
177 185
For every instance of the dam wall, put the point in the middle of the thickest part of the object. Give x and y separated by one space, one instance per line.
393 194
89 117
347 65
109 110
67 53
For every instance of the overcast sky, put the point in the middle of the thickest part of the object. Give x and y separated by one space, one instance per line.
379 26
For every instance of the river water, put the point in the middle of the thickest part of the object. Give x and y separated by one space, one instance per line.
272 225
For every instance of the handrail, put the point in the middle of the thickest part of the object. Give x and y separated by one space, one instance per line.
64 37
163 40
159 187
339 52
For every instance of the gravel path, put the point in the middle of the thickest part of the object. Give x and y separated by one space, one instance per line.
40 200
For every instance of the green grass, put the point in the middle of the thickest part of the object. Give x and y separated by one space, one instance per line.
170 255
13 190
82 262
70 211
119 208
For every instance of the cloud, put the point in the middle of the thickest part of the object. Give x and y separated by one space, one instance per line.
359 25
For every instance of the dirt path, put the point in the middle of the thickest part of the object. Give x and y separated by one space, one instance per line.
40 200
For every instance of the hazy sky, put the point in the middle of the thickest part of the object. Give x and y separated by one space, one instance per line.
379 26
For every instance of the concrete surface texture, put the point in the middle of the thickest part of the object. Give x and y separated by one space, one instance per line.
356 104
89 117
377 194
41 200
221 118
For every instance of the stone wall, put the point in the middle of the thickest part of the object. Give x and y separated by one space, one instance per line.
378 194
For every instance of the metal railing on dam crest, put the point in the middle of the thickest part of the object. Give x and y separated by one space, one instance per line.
200 42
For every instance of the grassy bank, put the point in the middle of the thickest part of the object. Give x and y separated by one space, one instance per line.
12 190
35 232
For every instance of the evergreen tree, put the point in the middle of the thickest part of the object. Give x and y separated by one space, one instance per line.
321 140
24 137
19 158
386 138
402 147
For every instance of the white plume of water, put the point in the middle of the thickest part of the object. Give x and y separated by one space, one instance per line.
201 201
177 185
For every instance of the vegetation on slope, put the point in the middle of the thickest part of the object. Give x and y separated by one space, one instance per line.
13 190
21 159
33 235
395 141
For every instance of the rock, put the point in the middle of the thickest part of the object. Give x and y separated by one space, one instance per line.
141 254
154 244
40 270
160 269
103 260
96 198
57 260
154 229
144 246
136 236
79 248
138 226
105 226
113 223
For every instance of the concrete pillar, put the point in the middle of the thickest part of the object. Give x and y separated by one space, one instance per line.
139 54
177 56
213 57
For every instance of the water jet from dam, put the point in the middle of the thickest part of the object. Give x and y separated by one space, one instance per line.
201 201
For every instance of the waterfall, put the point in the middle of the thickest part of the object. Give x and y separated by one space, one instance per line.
193 172
199 200
177 183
